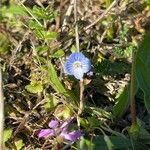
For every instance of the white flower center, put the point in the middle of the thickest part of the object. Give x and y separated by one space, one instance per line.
77 64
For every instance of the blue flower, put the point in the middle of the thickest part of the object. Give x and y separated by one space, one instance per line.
77 64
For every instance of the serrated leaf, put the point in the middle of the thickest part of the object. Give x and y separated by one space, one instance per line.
44 13
19 144
42 49
40 34
58 54
34 88
4 44
63 112
13 10
34 25
121 103
7 134
52 101
50 35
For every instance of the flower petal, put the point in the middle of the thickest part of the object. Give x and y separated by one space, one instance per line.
77 56
53 124
68 68
78 73
71 136
86 65
66 123
45 133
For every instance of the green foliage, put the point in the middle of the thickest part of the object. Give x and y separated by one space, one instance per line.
12 11
51 102
4 44
100 143
111 68
122 101
7 134
124 52
19 144
142 69
30 33
44 13
34 87
57 85
58 54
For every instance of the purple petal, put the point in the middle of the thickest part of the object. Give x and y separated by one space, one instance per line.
71 136
45 133
66 123
53 124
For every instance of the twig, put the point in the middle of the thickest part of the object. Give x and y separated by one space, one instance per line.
102 15
1 114
81 105
76 25
68 13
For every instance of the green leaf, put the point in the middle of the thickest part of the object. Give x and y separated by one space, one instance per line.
54 80
42 49
34 87
108 142
44 13
122 103
57 85
19 144
98 143
98 111
40 34
142 69
34 25
4 44
13 10
58 54
85 144
51 102
7 134
50 35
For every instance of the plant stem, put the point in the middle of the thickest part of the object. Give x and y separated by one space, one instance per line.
81 104
1 114
132 90
76 26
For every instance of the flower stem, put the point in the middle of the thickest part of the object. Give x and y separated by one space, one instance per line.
81 104
76 26
1 114
132 90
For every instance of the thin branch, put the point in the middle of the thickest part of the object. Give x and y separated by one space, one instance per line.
76 26
68 13
102 15
81 105
1 114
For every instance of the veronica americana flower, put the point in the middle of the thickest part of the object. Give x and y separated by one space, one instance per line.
77 64
58 128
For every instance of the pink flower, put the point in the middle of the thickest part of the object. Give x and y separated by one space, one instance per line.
58 128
